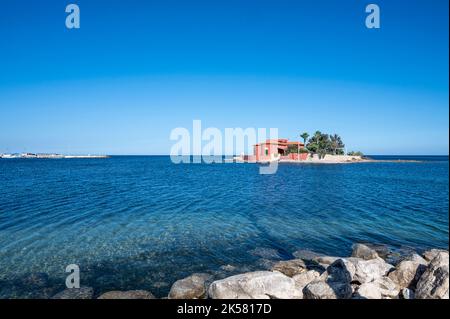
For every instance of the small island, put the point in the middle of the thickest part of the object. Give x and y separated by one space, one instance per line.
320 148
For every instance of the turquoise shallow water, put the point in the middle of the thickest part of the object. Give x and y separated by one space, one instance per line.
143 222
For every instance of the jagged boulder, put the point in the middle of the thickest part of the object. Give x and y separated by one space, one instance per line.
306 277
130 294
368 290
75 293
434 282
334 283
192 287
364 252
255 285
319 289
388 288
357 269
408 271
381 288
342 270
290 267
416 258
369 270
429 255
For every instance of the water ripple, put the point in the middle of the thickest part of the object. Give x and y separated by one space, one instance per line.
143 222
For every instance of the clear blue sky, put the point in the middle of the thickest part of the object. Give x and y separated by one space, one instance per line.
137 69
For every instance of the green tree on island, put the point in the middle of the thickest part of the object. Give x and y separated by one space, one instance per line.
317 144
352 153
336 145
323 144
304 136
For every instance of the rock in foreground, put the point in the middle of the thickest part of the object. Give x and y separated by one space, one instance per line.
255 285
408 272
388 288
75 293
306 277
434 282
368 291
131 294
429 255
369 270
327 290
192 287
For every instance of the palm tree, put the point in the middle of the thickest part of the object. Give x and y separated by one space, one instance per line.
304 136
336 144
333 144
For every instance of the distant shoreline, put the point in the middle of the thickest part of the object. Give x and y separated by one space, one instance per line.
48 156
349 162
328 159
365 159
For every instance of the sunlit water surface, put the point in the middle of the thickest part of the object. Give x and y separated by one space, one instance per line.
143 222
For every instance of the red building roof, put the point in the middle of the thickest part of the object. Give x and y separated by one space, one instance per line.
281 142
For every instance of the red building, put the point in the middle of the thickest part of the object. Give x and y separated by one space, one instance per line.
273 149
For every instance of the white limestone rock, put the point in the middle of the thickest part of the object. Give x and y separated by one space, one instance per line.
192 287
429 255
408 272
256 285
306 277
369 270
434 282
388 288
319 289
368 290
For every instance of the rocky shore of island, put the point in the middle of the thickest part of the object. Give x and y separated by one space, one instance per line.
369 273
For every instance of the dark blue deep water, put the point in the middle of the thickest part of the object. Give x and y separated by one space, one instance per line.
143 222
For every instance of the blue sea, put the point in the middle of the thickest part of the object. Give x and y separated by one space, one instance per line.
142 222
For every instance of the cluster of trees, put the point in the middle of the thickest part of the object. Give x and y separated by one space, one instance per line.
352 153
321 144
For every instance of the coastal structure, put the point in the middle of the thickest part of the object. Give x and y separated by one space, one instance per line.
277 149
284 151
